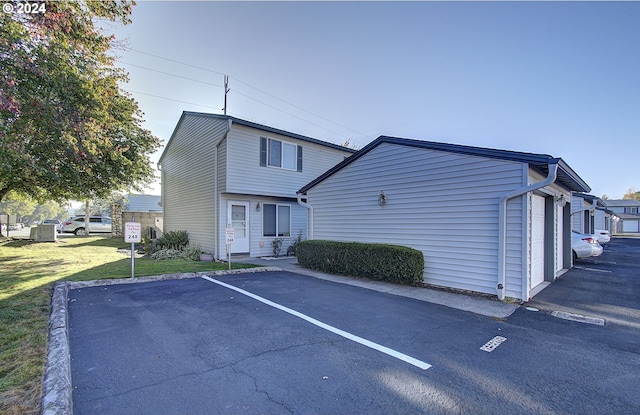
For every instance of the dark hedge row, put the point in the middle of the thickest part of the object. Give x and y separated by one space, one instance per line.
382 262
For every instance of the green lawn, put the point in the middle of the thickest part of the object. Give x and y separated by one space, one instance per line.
28 272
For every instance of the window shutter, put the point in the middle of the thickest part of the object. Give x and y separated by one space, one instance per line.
263 151
299 158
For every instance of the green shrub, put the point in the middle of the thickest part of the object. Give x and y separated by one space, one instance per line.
291 249
276 245
167 254
173 240
188 253
383 262
192 253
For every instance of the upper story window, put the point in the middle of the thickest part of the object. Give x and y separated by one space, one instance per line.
631 210
277 153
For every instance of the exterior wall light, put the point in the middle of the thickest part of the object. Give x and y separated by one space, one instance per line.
258 207
382 199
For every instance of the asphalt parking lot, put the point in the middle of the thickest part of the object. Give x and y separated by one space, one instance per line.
281 342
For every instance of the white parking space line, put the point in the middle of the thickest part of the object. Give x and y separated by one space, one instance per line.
592 269
346 335
493 343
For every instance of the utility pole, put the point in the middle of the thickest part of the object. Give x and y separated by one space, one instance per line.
226 90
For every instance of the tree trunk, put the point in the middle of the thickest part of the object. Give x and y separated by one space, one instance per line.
3 193
87 216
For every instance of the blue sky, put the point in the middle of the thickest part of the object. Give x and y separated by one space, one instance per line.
543 77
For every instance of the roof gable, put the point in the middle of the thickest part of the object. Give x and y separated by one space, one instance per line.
265 128
540 162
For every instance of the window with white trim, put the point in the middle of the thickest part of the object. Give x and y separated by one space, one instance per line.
277 153
276 220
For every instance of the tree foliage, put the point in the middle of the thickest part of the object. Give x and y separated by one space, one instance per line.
26 209
632 194
67 130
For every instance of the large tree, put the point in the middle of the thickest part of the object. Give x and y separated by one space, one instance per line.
67 130
632 194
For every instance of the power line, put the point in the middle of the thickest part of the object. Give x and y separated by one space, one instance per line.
251 86
171 99
289 114
170 74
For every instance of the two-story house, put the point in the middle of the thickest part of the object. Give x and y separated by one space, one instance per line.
628 211
219 171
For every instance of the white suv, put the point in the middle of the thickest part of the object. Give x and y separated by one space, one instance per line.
97 224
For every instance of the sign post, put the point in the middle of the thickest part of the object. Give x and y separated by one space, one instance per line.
132 234
230 234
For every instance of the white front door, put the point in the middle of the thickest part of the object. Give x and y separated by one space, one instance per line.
537 240
238 218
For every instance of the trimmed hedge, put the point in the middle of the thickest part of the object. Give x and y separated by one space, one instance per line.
382 262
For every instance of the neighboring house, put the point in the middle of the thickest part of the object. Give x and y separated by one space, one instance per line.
491 221
589 214
583 212
628 212
220 171
145 209
143 203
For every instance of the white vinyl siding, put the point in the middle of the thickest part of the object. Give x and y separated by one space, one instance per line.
444 204
259 244
245 175
188 172
196 185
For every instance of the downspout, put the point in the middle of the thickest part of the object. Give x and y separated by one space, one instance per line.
502 222
215 189
310 209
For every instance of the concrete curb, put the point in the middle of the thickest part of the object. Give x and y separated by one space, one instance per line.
57 388
57 379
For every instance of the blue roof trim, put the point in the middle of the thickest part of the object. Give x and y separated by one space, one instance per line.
566 176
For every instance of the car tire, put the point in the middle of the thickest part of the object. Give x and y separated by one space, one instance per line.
575 256
79 231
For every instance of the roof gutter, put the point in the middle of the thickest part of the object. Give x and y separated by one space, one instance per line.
310 209
502 223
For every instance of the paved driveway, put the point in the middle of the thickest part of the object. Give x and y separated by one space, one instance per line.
605 288
280 342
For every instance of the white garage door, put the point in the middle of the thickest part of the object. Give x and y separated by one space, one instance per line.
537 240
629 226
559 238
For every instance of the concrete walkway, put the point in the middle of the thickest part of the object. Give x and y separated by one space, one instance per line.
478 305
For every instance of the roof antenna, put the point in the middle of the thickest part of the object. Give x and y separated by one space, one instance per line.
226 91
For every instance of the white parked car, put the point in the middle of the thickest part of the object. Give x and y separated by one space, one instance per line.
97 224
603 236
584 245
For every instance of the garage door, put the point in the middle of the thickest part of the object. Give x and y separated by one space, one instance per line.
537 240
629 226
559 238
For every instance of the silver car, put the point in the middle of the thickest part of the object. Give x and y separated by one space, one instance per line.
97 224
584 245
